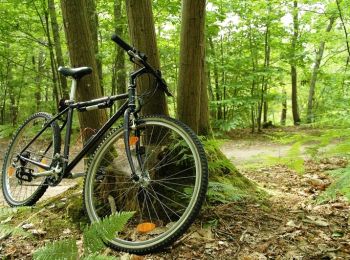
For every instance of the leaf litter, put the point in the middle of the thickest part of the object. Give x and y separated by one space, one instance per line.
289 225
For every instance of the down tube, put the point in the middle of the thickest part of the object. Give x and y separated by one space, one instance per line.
93 141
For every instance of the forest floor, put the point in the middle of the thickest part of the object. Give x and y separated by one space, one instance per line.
290 224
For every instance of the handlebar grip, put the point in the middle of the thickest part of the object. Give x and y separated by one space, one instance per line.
121 43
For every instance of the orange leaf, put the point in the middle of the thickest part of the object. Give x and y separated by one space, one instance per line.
11 171
145 227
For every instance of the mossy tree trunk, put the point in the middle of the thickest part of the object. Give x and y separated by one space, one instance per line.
143 37
81 52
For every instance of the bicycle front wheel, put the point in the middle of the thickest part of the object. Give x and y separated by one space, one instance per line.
173 177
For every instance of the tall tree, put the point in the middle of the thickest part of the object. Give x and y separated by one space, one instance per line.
315 70
191 88
143 36
57 44
293 64
81 52
93 25
118 75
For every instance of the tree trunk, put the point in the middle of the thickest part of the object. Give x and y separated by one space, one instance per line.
317 63
293 73
119 76
191 58
204 125
284 108
81 52
143 37
38 78
216 80
347 42
57 44
93 25
55 92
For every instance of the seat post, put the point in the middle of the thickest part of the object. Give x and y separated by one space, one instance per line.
73 89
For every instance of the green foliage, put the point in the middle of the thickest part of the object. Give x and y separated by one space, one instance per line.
218 163
226 184
312 143
223 192
64 249
106 229
94 235
339 186
7 130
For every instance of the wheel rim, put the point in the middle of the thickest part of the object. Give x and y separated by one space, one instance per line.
19 192
158 213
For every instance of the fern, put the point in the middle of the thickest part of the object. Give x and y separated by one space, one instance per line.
7 230
64 249
6 212
94 235
339 186
99 257
106 229
223 192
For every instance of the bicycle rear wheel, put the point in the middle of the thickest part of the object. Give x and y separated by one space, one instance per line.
172 167
19 192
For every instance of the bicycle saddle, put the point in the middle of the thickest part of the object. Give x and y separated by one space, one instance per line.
76 73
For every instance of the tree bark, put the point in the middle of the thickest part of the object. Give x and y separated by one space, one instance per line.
81 52
284 108
57 45
204 125
293 70
93 25
317 63
119 74
219 114
191 58
143 37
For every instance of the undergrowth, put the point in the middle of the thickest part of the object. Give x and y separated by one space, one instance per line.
226 183
314 144
340 185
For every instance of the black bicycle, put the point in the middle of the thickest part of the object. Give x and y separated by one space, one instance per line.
154 166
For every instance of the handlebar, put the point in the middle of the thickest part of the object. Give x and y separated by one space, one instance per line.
142 58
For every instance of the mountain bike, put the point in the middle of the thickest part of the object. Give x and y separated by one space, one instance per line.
154 165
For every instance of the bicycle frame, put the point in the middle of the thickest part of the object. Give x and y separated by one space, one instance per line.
100 103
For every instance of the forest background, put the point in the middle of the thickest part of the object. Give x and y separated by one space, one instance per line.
280 61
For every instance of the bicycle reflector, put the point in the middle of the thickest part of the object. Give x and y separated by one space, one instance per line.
133 140
43 161
145 227
11 171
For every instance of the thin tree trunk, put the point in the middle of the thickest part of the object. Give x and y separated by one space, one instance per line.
347 42
204 126
216 81
293 73
57 45
317 63
38 78
284 108
81 52
143 37
55 89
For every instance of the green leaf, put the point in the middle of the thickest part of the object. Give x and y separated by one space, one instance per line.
64 249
